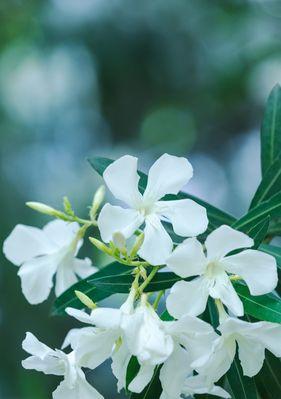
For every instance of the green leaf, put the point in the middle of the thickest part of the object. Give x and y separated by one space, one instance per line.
275 227
132 370
69 299
268 380
122 283
242 387
215 215
271 130
263 307
272 250
258 232
270 208
269 186
153 390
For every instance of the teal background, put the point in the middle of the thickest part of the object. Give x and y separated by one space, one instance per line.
111 77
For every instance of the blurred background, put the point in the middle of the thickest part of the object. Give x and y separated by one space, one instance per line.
111 77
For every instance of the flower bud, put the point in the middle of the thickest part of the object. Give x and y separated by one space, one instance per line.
138 243
46 209
101 246
97 200
85 300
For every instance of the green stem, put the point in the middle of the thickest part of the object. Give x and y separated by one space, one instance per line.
148 280
158 298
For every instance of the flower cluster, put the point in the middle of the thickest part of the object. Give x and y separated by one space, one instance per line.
187 353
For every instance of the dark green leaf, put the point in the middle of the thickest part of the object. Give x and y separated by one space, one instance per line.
271 130
215 215
259 231
132 370
210 314
153 390
69 299
274 227
242 387
269 378
122 284
263 307
269 186
270 208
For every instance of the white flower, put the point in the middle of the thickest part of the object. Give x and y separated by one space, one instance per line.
256 268
252 340
166 176
43 253
198 384
49 361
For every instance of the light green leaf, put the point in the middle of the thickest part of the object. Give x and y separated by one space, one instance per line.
269 186
242 387
271 130
69 299
215 215
270 208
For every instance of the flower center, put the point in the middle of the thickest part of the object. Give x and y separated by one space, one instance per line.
213 270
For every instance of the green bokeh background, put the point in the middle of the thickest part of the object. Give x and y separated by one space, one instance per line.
109 77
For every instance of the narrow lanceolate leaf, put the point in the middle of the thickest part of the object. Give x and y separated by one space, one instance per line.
271 130
276 252
263 307
242 387
153 390
270 208
270 184
275 227
215 215
122 283
258 232
268 380
69 299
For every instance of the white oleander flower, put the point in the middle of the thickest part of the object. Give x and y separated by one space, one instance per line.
252 340
256 268
49 361
198 384
43 253
166 176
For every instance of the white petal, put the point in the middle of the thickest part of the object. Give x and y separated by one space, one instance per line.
49 365
73 336
187 259
251 355
187 217
157 244
65 276
224 240
82 389
83 267
34 347
198 384
25 243
167 175
106 318
174 372
37 278
79 315
94 348
122 179
114 219
143 377
120 361
269 335
61 233
257 268
188 298
223 290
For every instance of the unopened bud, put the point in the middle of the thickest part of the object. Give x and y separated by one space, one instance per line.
85 300
97 201
68 207
138 243
101 246
143 273
46 209
120 242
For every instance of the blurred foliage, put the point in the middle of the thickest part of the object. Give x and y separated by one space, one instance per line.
114 76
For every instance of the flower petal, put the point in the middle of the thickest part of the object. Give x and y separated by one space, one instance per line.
143 377
223 290
81 389
65 276
37 278
122 179
167 175
61 233
187 259
197 384
106 318
251 355
114 219
224 240
34 347
83 267
157 244
79 315
120 361
25 243
188 298
258 269
187 217
174 372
